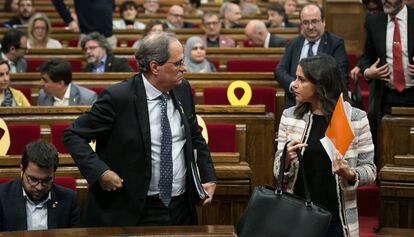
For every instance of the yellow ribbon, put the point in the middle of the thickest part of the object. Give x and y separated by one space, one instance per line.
5 139
202 124
247 93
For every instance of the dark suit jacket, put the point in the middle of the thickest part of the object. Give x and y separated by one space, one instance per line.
78 96
288 24
62 209
113 64
375 47
285 72
119 121
276 41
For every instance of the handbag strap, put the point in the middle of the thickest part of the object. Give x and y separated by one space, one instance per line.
301 169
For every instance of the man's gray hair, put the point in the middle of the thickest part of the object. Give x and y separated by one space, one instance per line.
154 47
225 8
100 39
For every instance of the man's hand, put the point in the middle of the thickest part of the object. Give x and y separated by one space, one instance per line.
378 73
340 167
110 181
210 189
73 25
354 73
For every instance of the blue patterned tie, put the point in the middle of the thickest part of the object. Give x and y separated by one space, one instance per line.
310 51
166 167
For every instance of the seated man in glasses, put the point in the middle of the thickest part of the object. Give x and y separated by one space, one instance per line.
33 201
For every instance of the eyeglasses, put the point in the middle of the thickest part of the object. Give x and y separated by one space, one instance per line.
35 181
178 64
311 22
91 48
213 23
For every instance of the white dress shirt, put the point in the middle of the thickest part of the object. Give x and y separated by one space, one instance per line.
65 100
36 214
178 141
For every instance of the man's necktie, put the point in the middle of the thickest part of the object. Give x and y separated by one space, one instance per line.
310 51
397 66
166 167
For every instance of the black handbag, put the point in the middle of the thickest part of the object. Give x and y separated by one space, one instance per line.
274 213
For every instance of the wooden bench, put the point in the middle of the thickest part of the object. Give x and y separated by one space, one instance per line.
397 169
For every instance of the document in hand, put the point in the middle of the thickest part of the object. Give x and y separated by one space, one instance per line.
339 134
202 194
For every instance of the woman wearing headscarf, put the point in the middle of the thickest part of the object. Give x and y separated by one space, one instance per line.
195 56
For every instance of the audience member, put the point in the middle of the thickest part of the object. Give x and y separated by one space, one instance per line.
151 6
211 26
11 6
387 62
313 40
195 56
24 11
258 34
128 12
372 6
290 6
39 29
93 16
139 146
99 55
57 88
8 95
191 7
278 18
175 18
13 49
249 8
231 14
332 183
33 201
153 26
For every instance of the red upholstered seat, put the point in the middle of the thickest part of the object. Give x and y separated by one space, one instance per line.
216 63
236 65
133 64
20 135
221 137
68 182
27 92
33 64
97 89
260 95
56 136
73 42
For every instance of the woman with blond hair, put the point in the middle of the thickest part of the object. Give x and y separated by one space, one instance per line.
39 29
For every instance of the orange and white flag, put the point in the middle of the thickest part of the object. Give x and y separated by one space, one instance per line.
339 134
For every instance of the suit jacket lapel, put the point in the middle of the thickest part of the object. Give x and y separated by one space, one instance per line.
323 44
19 205
142 115
410 33
296 54
53 212
74 95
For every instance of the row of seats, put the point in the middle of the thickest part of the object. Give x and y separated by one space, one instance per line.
222 137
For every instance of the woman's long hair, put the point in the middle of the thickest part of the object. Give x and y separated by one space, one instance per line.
32 21
323 71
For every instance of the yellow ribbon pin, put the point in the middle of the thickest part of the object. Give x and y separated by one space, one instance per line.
5 138
202 124
247 93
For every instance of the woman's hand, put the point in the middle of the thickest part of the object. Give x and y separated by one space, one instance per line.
292 147
340 167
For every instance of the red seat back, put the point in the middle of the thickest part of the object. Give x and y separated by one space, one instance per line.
27 92
236 65
97 89
260 95
20 135
133 64
222 137
33 64
56 136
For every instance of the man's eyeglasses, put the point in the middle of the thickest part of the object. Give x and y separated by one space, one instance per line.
91 48
178 64
35 181
213 23
311 22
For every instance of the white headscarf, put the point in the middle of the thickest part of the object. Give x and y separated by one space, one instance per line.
192 66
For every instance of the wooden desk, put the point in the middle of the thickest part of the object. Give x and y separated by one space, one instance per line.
172 231
395 232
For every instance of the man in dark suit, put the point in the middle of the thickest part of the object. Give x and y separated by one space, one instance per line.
314 40
377 62
146 132
58 88
99 55
13 50
33 202
278 18
258 34
175 18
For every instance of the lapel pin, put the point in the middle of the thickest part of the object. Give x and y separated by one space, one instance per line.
54 205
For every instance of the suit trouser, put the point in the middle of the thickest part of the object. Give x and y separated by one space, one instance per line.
156 214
